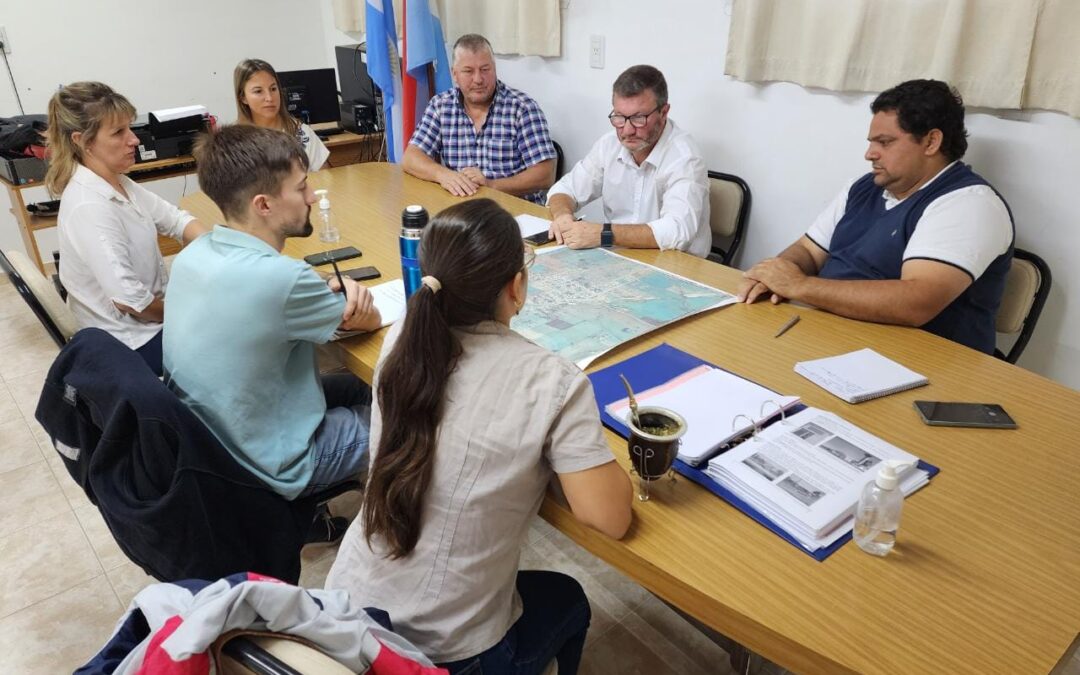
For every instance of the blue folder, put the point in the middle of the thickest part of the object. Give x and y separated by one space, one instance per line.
657 366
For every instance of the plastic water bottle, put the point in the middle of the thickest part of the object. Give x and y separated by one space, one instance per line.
327 231
413 220
878 515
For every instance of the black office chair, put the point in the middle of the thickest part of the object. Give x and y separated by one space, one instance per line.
560 160
1026 288
44 302
729 211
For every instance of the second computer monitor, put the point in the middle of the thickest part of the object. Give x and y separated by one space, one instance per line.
310 95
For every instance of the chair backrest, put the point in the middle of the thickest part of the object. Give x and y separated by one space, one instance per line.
729 211
560 160
40 295
1026 288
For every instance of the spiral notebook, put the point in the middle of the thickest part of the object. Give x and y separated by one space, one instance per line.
860 375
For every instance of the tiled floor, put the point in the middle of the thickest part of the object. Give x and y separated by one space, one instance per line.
66 582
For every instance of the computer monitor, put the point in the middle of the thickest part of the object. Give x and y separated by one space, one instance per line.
310 95
356 84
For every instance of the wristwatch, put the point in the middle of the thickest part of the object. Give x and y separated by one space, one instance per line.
607 237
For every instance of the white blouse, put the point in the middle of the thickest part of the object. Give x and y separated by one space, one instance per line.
109 252
317 153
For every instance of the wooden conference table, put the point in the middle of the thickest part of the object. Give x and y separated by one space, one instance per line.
985 577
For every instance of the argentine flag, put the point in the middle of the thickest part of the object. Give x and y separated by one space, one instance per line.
424 46
384 67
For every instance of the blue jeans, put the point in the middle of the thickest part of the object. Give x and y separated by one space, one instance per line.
341 441
552 626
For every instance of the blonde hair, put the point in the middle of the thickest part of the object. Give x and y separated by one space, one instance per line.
244 71
79 107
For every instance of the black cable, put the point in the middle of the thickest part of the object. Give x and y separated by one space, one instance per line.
3 52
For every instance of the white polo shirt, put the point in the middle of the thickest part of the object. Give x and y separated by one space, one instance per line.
669 191
109 252
967 228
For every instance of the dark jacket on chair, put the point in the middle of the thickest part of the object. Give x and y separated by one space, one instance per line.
176 502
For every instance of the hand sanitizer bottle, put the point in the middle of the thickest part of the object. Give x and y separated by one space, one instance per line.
327 231
878 515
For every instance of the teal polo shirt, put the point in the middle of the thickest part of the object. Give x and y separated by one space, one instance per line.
241 324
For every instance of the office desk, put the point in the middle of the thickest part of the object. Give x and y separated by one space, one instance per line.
349 148
345 148
984 577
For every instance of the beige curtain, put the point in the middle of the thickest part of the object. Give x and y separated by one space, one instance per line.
987 49
349 14
1054 73
512 26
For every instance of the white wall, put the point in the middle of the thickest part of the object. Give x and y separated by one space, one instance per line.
796 147
158 54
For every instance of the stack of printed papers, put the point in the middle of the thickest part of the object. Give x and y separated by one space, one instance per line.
806 474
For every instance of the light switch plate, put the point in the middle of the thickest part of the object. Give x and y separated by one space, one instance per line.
596 51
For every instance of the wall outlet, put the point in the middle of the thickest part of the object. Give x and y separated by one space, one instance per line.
596 51
3 38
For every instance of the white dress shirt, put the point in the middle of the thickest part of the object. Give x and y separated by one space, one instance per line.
109 252
669 191
967 228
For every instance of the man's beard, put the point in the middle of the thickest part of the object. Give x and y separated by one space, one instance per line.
302 231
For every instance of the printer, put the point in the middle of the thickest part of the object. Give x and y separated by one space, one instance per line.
172 132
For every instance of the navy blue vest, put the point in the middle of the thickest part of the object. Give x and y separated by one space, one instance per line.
869 243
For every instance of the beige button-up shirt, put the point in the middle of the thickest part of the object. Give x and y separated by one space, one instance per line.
515 414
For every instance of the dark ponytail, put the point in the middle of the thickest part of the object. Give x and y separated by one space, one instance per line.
473 249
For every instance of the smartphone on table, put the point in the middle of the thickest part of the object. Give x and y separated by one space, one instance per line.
361 273
336 255
956 414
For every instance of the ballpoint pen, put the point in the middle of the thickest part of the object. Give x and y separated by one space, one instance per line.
790 322
338 273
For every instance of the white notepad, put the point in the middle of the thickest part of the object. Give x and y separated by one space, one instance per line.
389 297
860 376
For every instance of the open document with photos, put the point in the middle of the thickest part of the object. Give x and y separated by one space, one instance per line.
718 407
806 473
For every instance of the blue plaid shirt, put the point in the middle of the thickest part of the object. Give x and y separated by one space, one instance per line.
513 138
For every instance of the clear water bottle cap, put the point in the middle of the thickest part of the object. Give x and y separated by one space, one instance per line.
324 200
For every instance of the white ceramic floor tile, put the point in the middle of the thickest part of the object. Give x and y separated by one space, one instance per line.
62 632
18 447
127 580
9 410
44 560
71 490
677 643
101 539
620 651
313 572
29 495
27 356
19 328
25 388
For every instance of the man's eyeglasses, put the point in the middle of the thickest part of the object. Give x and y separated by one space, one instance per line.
530 257
637 121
